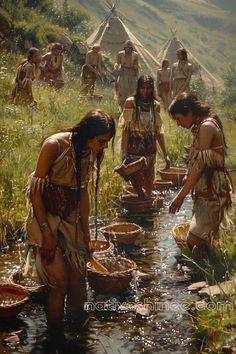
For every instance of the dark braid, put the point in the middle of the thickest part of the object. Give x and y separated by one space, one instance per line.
137 97
95 123
98 162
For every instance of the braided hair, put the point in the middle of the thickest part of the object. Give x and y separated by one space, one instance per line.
95 123
138 98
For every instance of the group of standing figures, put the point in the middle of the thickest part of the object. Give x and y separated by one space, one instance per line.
57 227
49 68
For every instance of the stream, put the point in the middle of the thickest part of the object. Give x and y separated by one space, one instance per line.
168 329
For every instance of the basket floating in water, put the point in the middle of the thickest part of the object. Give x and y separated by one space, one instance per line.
173 174
12 300
180 233
125 233
35 289
132 203
161 186
127 169
116 281
100 247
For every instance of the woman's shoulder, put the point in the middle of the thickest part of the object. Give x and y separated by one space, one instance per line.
130 102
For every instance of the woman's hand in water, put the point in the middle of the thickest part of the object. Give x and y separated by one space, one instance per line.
176 204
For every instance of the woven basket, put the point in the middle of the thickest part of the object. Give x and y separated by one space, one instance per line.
101 248
12 300
173 174
132 203
180 233
124 233
37 291
117 280
162 186
127 169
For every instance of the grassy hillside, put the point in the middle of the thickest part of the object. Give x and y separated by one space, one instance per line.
204 26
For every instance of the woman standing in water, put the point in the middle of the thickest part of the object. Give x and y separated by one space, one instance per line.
58 222
142 128
207 177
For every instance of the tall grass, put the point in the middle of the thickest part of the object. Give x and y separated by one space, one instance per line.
23 128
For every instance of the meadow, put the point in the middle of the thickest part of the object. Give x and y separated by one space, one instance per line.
23 128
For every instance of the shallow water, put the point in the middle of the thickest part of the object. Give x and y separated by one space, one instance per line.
167 330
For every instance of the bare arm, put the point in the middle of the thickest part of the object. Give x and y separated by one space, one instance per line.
206 136
47 155
125 133
190 70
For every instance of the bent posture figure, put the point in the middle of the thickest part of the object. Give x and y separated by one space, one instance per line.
27 71
142 127
57 225
52 70
91 70
126 72
207 175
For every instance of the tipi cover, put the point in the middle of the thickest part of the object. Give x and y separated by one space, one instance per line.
200 72
112 34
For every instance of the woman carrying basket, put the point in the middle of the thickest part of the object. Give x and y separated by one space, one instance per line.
142 129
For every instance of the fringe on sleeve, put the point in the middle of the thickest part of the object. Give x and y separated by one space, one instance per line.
126 118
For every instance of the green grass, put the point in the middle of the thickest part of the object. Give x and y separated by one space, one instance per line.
23 128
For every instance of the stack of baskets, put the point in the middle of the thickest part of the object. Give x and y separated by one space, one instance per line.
133 204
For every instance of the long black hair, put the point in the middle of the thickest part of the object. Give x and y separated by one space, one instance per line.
95 123
186 102
143 79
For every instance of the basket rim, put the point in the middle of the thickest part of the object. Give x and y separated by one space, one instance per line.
138 228
25 293
171 171
116 273
31 289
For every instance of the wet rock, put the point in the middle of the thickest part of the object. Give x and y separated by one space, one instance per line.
216 290
142 275
14 339
143 311
197 286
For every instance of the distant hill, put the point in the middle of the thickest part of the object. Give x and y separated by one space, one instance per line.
206 27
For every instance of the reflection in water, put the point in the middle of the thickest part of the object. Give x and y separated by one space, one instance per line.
114 329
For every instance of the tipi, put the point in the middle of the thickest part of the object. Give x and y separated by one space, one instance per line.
199 71
112 34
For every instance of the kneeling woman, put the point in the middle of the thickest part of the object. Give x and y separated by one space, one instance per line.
142 127
207 176
58 223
